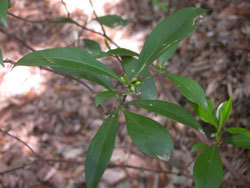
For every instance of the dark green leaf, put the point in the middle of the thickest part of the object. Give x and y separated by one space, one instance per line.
129 64
113 21
208 115
189 89
93 46
93 77
199 146
62 20
208 170
167 33
3 12
149 136
168 53
69 57
238 130
1 58
121 52
100 150
103 96
148 89
240 140
169 110
223 111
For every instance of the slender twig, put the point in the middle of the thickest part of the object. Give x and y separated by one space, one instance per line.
27 20
17 168
169 7
65 6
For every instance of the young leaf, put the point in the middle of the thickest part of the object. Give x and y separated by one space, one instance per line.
240 140
168 53
100 150
205 115
62 20
93 46
4 4
208 171
189 89
69 57
149 136
238 130
199 146
1 58
97 78
103 96
169 110
167 33
223 111
113 21
129 64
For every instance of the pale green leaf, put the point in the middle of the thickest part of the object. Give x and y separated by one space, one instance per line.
223 111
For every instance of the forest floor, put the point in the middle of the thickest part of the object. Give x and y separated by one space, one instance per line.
56 116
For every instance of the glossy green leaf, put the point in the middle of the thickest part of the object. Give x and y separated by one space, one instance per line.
168 53
3 12
62 20
129 64
169 110
223 111
240 140
1 58
97 78
208 115
149 136
238 130
69 57
103 96
208 170
113 21
100 150
189 89
167 33
199 146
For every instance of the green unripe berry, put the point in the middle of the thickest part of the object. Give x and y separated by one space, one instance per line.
132 89
124 79
161 67
133 80
138 83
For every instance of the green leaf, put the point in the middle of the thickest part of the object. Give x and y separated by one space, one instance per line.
100 150
69 57
1 58
149 136
4 4
169 110
238 130
62 20
103 96
93 46
223 111
122 52
208 115
240 140
148 89
168 53
93 77
129 64
113 21
168 33
189 89
199 146
208 170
